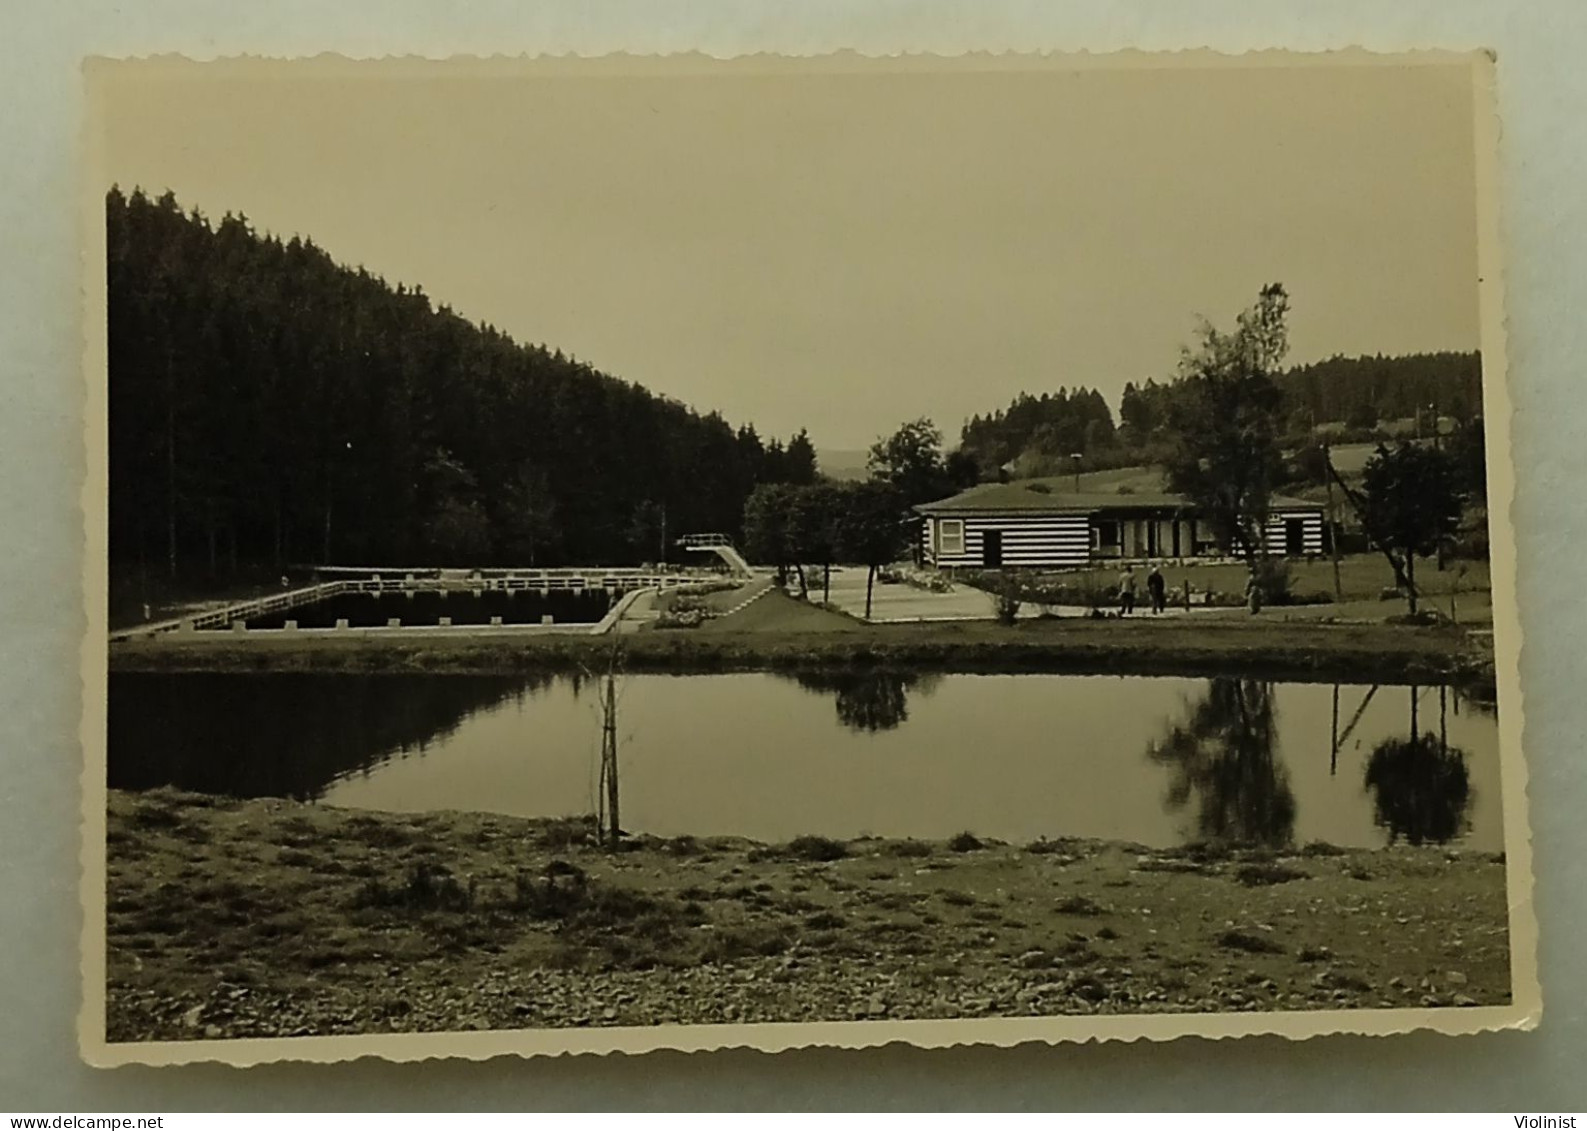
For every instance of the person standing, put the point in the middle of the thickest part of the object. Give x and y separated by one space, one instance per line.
1126 592
1157 589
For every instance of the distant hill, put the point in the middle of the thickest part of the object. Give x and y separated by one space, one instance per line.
1356 398
842 463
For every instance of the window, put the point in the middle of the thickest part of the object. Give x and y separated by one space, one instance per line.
1105 538
950 536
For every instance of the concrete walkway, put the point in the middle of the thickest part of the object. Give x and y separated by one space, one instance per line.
903 603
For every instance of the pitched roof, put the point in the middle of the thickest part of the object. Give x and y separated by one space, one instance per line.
1019 496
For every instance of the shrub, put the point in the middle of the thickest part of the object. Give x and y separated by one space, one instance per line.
1259 875
1046 593
1006 607
748 940
1045 847
429 887
1471 545
825 921
1323 848
931 581
965 842
1312 597
1078 905
1249 942
818 848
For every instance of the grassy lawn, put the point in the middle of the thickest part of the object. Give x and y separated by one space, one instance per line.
1362 578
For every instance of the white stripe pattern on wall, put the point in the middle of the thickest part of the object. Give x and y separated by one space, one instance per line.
1278 539
1036 541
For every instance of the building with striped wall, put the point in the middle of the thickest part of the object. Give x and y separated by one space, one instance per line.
1031 524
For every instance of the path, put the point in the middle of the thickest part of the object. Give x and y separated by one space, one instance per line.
891 604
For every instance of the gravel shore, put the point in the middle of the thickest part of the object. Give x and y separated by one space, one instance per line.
273 918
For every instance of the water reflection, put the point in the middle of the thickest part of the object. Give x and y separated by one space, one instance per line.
1222 757
283 734
1421 789
871 700
754 754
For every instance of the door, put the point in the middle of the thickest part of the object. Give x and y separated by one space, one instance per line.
1295 537
992 548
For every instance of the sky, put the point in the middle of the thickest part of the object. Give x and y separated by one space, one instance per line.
845 248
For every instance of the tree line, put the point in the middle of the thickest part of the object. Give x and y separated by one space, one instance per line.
270 406
1353 397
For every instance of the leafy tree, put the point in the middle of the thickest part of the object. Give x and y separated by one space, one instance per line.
527 522
457 526
1137 412
1363 416
814 524
1468 448
874 528
647 530
1309 465
1411 501
1049 427
961 470
768 534
1224 424
911 462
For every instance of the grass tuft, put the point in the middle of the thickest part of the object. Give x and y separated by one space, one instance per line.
1249 942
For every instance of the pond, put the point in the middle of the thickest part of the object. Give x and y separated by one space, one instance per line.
1156 761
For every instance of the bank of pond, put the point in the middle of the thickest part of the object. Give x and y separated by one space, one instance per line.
1155 761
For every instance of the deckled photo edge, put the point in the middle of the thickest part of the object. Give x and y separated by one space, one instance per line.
1524 1010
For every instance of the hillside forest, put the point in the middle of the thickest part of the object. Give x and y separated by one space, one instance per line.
271 407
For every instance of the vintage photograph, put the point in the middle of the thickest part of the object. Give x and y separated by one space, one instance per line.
586 550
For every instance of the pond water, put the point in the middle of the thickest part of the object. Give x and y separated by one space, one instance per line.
1158 761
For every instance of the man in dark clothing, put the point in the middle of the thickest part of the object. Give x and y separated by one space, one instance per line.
1157 588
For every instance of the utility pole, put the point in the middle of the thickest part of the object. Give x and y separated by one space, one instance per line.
1333 759
1333 521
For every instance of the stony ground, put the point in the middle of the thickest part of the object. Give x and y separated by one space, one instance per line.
270 918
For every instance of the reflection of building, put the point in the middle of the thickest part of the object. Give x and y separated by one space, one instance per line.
1030 524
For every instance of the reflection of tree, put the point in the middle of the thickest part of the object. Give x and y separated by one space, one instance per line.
282 735
1421 790
871 700
1223 754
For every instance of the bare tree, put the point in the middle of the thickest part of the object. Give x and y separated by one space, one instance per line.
608 812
